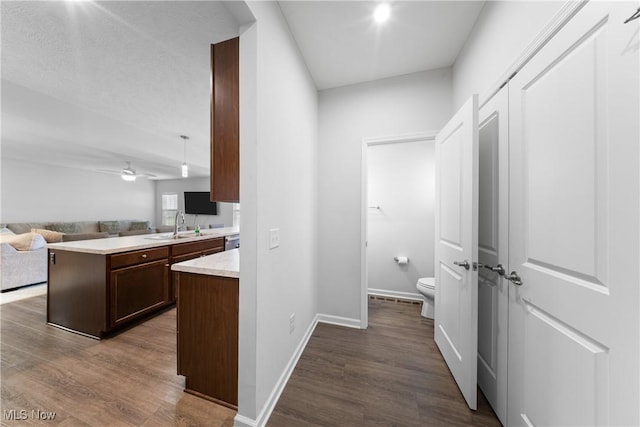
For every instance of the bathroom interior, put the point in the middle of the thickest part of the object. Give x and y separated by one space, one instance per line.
400 181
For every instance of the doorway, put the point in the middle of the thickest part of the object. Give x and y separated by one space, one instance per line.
397 216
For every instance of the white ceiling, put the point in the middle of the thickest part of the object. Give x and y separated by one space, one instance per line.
93 85
342 44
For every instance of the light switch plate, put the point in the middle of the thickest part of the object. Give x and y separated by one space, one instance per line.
274 238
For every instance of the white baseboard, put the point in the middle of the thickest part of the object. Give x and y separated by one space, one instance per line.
340 321
242 421
395 294
263 417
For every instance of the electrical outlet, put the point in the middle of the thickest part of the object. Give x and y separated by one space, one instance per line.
274 238
292 323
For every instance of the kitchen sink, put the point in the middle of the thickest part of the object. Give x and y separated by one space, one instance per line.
172 237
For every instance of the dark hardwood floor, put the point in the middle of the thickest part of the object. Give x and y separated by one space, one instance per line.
127 380
388 375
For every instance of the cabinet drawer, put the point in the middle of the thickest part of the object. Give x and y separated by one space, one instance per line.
185 257
213 251
138 257
202 245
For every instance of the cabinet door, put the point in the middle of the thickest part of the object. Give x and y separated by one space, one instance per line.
208 336
174 275
225 121
137 290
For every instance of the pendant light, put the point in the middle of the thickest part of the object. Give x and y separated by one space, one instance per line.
185 168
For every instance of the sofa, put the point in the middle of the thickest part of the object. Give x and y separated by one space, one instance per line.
81 227
24 262
22 265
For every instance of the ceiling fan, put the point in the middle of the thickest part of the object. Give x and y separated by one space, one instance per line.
128 174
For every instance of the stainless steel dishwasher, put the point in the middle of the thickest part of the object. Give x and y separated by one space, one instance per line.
232 242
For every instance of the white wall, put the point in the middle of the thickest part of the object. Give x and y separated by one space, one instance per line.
33 192
501 33
247 327
401 181
278 190
179 186
407 104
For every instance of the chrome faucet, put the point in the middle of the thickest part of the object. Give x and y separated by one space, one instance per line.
175 223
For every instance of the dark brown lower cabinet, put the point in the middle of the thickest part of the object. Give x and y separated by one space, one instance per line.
208 336
96 294
138 290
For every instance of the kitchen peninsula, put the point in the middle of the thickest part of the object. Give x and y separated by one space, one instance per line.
207 328
97 286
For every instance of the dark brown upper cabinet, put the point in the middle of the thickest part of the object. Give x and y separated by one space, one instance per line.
225 121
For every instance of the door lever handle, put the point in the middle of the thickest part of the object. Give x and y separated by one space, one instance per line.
498 269
464 264
514 278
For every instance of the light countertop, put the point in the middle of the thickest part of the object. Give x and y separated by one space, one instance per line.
223 264
114 245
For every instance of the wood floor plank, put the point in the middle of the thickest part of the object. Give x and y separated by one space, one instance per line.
127 380
388 375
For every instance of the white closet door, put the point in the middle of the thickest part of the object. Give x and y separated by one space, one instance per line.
456 295
493 239
574 227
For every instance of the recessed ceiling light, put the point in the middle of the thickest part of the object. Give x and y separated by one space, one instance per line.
382 12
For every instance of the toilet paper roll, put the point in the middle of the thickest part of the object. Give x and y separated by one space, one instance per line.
401 260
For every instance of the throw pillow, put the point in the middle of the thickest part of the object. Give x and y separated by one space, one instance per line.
111 227
49 235
62 227
140 225
5 230
27 242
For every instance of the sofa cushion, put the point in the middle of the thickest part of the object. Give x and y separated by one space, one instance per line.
84 236
133 232
140 225
111 227
164 228
25 242
87 226
49 235
24 227
62 227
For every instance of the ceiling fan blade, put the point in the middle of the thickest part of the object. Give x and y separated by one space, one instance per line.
109 171
128 171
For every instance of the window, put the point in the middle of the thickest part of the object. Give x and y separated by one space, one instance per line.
169 208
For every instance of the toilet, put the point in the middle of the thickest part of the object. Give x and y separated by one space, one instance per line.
427 286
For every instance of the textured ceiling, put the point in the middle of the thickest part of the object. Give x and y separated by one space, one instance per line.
343 45
92 85
95 84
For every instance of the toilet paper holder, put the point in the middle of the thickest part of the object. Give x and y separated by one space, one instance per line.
401 260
